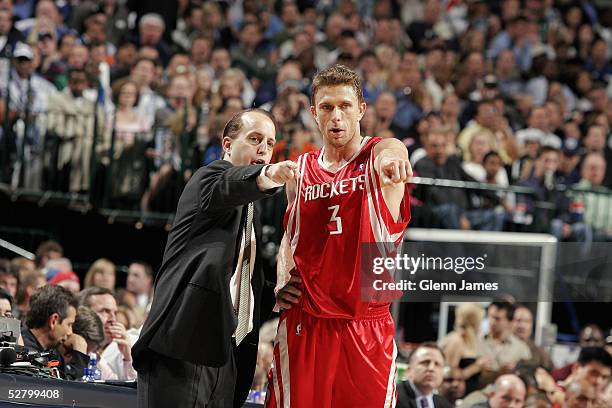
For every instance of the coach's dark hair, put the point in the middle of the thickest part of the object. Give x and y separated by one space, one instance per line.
598 354
429 345
86 294
234 125
46 301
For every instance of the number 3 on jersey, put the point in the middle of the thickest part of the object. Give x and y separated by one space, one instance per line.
337 229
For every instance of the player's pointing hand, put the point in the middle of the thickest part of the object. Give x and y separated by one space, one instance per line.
394 170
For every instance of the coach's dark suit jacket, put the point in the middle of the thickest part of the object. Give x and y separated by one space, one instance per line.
192 317
406 397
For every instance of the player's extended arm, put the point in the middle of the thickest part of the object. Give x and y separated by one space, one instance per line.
393 168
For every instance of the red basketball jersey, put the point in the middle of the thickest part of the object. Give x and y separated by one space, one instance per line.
332 216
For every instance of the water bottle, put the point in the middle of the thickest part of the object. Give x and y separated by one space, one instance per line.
92 372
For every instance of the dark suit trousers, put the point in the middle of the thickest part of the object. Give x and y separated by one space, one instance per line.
168 382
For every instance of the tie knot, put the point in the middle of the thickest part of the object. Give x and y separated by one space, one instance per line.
424 403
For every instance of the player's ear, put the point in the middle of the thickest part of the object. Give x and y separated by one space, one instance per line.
362 109
313 112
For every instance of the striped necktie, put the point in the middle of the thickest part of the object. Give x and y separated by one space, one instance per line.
244 304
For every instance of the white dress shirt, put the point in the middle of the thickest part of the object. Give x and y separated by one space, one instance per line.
265 183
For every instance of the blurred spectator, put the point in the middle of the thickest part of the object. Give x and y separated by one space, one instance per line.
507 392
9 279
594 365
46 18
101 274
558 220
140 283
144 75
461 345
522 323
130 137
189 26
29 283
9 35
581 394
253 57
425 373
28 102
538 121
22 265
48 250
596 204
438 75
451 206
71 125
151 30
56 265
88 325
127 318
6 304
503 349
489 121
125 58
49 325
115 350
68 280
453 385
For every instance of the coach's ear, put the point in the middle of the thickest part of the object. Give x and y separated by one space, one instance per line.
227 145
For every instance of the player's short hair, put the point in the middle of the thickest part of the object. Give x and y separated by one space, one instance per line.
334 76
234 125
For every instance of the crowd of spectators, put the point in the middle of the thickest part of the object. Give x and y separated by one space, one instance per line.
73 320
488 360
112 99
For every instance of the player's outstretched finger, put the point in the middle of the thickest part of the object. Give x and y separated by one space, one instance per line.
396 172
402 172
408 169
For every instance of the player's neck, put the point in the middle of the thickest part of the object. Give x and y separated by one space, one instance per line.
339 155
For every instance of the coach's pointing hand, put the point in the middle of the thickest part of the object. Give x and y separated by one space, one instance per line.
282 172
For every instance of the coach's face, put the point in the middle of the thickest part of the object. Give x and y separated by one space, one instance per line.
254 142
337 112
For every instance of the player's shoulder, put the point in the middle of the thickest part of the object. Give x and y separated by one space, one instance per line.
310 155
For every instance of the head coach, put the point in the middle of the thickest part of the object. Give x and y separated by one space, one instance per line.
198 346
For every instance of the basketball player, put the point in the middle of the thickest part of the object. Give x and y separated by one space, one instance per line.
333 347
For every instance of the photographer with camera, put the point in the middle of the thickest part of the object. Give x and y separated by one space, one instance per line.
49 324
